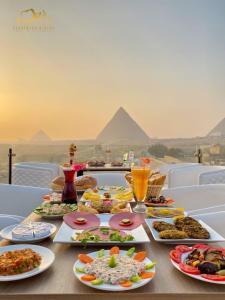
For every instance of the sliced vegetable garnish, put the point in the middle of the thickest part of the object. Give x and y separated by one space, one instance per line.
80 270
213 277
97 281
85 258
101 253
126 284
112 262
201 246
135 278
189 269
175 256
146 275
131 251
150 266
140 256
221 272
88 277
183 248
114 250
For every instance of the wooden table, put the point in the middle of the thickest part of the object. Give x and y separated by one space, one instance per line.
58 282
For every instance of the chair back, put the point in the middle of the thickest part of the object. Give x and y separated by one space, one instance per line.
20 200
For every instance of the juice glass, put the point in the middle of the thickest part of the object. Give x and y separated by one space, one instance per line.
140 175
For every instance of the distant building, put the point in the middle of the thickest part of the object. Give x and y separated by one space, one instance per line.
40 138
215 149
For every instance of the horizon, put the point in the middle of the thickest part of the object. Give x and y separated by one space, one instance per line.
163 61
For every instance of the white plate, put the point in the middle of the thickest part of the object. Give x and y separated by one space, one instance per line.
87 203
47 255
198 277
6 233
65 233
110 287
101 193
165 217
214 236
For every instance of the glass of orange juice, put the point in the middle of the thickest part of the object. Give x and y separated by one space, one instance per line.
140 175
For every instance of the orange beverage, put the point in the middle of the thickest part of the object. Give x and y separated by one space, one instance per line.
140 181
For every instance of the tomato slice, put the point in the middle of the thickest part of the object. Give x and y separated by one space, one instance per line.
183 248
175 256
189 269
213 277
201 246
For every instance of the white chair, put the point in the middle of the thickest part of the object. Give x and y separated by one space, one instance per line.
216 220
189 175
110 178
198 196
34 174
164 169
212 177
7 220
20 200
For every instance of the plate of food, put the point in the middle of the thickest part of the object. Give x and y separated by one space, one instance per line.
54 210
106 205
170 212
28 232
89 231
159 201
182 230
124 194
200 262
114 269
24 261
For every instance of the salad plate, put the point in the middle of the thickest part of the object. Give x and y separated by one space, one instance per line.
212 235
47 259
200 262
54 210
67 235
110 274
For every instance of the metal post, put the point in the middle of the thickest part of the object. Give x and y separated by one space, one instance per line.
10 155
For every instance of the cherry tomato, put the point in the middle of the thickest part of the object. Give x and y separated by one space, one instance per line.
213 277
183 248
189 269
175 256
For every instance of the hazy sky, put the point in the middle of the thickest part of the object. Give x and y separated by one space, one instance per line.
162 60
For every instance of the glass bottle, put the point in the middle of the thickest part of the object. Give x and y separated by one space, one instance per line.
69 194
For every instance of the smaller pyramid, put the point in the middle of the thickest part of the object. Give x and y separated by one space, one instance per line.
218 130
122 129
40 137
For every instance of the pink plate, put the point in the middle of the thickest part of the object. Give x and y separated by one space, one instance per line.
91 220
136 219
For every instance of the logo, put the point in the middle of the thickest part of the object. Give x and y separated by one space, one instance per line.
33 20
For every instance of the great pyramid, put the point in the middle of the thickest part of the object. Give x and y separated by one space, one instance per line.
40 137
122 129
219 130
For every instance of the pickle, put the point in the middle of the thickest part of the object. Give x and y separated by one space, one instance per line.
101 253
112 262
79 270
97 282
135 278
150 266
131 251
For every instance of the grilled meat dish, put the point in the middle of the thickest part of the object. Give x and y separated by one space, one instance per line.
181 222
161 226
173 234
196 232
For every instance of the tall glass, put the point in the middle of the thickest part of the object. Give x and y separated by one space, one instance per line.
140 175
69 194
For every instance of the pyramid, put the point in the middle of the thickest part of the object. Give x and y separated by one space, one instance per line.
122 129
40 137
219 130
